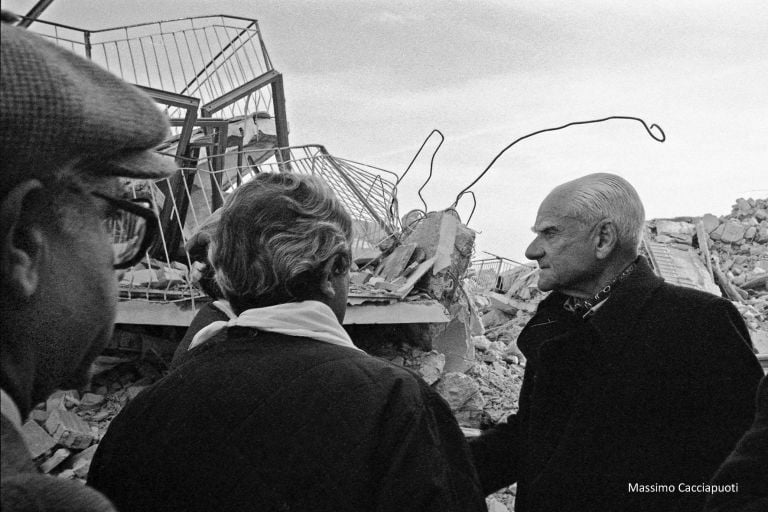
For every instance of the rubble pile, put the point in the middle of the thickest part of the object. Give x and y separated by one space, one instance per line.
734 250
63 432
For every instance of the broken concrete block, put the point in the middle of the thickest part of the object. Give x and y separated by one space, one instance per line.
431 367
732 232
710 222
386 285
57 458
81 462
62 399
717 234
394 264
463 395
460 391
39 415
91 401
742 204
68 429
481 342
491 357
750 233
495 505
674 229
495 318
67 474
359 278
38 441
457 346
374 281
100 416
510 305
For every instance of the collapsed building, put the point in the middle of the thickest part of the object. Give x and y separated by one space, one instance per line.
416 297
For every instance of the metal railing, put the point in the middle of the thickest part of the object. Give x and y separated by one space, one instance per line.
165 274
488 273
205 56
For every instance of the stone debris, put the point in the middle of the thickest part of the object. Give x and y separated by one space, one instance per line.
496 505
57 458
63 432
463 394
68 429
38 440
734 250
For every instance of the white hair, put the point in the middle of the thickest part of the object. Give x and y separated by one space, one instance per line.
608 196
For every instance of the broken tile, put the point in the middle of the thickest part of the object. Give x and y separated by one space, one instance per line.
68 429
91 401
38 441
57 458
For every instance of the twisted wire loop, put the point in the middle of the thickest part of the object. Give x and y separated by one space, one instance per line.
474 204
654 130
429 177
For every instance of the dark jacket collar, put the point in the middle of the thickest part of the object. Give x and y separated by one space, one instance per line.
615 320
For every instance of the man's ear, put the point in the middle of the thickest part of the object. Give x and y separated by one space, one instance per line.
607 239
326 284
22 243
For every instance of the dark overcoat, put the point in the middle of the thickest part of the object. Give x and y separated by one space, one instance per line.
266 422
747 466
620 411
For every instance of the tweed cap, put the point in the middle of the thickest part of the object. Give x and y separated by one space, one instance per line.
58 109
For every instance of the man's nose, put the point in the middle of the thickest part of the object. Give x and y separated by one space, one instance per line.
534 252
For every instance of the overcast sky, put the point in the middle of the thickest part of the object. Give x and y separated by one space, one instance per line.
370 80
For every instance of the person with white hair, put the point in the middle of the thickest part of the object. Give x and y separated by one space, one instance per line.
635 390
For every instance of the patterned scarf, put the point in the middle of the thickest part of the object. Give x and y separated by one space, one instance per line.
587 307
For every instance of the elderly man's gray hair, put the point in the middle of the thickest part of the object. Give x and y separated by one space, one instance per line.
276 234
608 196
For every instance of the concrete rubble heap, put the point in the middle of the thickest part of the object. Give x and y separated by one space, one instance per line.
734 251
63 432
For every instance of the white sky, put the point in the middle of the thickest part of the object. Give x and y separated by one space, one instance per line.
369 80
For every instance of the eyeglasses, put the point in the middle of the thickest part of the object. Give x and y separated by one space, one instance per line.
132 225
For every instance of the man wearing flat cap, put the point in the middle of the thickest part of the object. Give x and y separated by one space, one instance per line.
68 131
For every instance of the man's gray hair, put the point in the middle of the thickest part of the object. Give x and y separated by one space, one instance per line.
608 196
276 234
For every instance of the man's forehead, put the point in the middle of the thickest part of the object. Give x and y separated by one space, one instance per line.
554 212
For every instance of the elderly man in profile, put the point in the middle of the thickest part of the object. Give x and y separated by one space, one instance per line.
635 390
68 131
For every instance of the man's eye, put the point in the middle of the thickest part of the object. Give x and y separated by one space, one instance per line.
549 232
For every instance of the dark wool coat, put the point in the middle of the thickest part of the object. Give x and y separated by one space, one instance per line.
747 466
655 388
205 316
262 421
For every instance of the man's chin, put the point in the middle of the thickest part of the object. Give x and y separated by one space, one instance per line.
545 285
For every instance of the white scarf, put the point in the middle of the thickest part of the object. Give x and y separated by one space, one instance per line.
307 319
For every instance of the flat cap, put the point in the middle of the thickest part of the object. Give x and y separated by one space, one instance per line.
59 109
